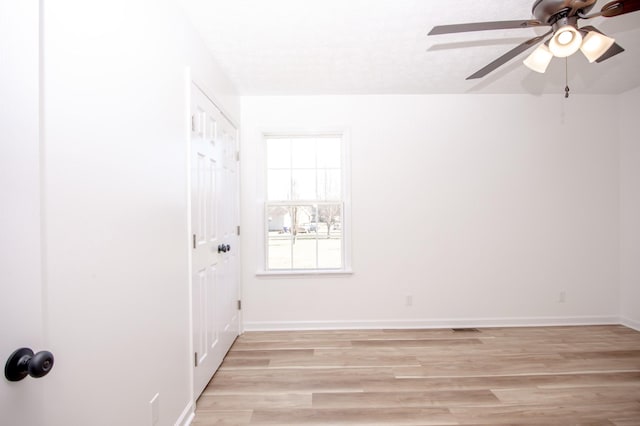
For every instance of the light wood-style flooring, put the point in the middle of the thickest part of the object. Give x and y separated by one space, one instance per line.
493 376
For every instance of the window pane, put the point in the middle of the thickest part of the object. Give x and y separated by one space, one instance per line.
279 237
330 219
278 153
329 185
302 218
330 236
304 185
303 153
279 256
304 237
329 252
304 251
279 185
279 219
330 153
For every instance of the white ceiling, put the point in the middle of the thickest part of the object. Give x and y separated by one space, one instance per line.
286 47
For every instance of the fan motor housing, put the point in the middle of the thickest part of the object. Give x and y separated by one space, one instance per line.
546 10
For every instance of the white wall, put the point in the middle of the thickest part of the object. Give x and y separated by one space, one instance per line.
116 207
628 106
483 208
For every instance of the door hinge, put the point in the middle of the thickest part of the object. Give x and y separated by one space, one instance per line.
239 305
194 241
238 230
193 122
195 359
237 155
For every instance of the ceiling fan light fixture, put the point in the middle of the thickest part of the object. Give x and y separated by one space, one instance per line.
565 42
539 59
595 45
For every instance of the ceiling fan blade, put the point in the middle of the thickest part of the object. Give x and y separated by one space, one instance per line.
591 28
508 56
620 7
483 26
612 51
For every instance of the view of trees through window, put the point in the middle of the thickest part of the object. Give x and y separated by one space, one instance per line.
304 209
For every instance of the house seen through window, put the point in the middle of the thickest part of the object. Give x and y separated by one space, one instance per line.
305 204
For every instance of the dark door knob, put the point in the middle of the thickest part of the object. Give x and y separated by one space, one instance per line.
222 248
24 362
228 247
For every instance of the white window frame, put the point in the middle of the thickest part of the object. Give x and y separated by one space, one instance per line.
346 204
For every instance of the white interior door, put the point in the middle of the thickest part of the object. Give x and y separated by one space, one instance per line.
227 307
214 292
21 323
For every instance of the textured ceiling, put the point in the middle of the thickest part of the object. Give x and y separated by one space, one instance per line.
286 47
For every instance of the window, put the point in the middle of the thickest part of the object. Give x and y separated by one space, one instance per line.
305 203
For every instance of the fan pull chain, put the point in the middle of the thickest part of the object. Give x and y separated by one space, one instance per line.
566 77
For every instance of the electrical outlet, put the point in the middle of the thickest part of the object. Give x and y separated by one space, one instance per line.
155 409
408 300
562 297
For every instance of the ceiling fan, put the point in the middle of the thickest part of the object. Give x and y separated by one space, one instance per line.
566 37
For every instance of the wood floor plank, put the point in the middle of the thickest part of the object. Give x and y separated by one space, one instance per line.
625 421
294 344
552 414
235 363
222 417
372 343
567 395
540 381
584 376
446 369
270 354
360 360
350 416
403 399
265 401
293 380
603 354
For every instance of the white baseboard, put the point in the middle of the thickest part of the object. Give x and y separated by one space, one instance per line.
628 322
187 416
430 323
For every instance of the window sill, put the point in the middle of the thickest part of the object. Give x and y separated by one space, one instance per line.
304 274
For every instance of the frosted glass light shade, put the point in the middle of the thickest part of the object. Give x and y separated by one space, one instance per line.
539 59
565 42
595 45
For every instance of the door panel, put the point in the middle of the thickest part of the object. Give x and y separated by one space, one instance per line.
21 324
229 288
214 292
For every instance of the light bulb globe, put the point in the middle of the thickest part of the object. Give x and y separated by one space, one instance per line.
565 42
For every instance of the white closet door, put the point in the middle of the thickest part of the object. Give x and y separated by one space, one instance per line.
214 285
228 306
21 274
